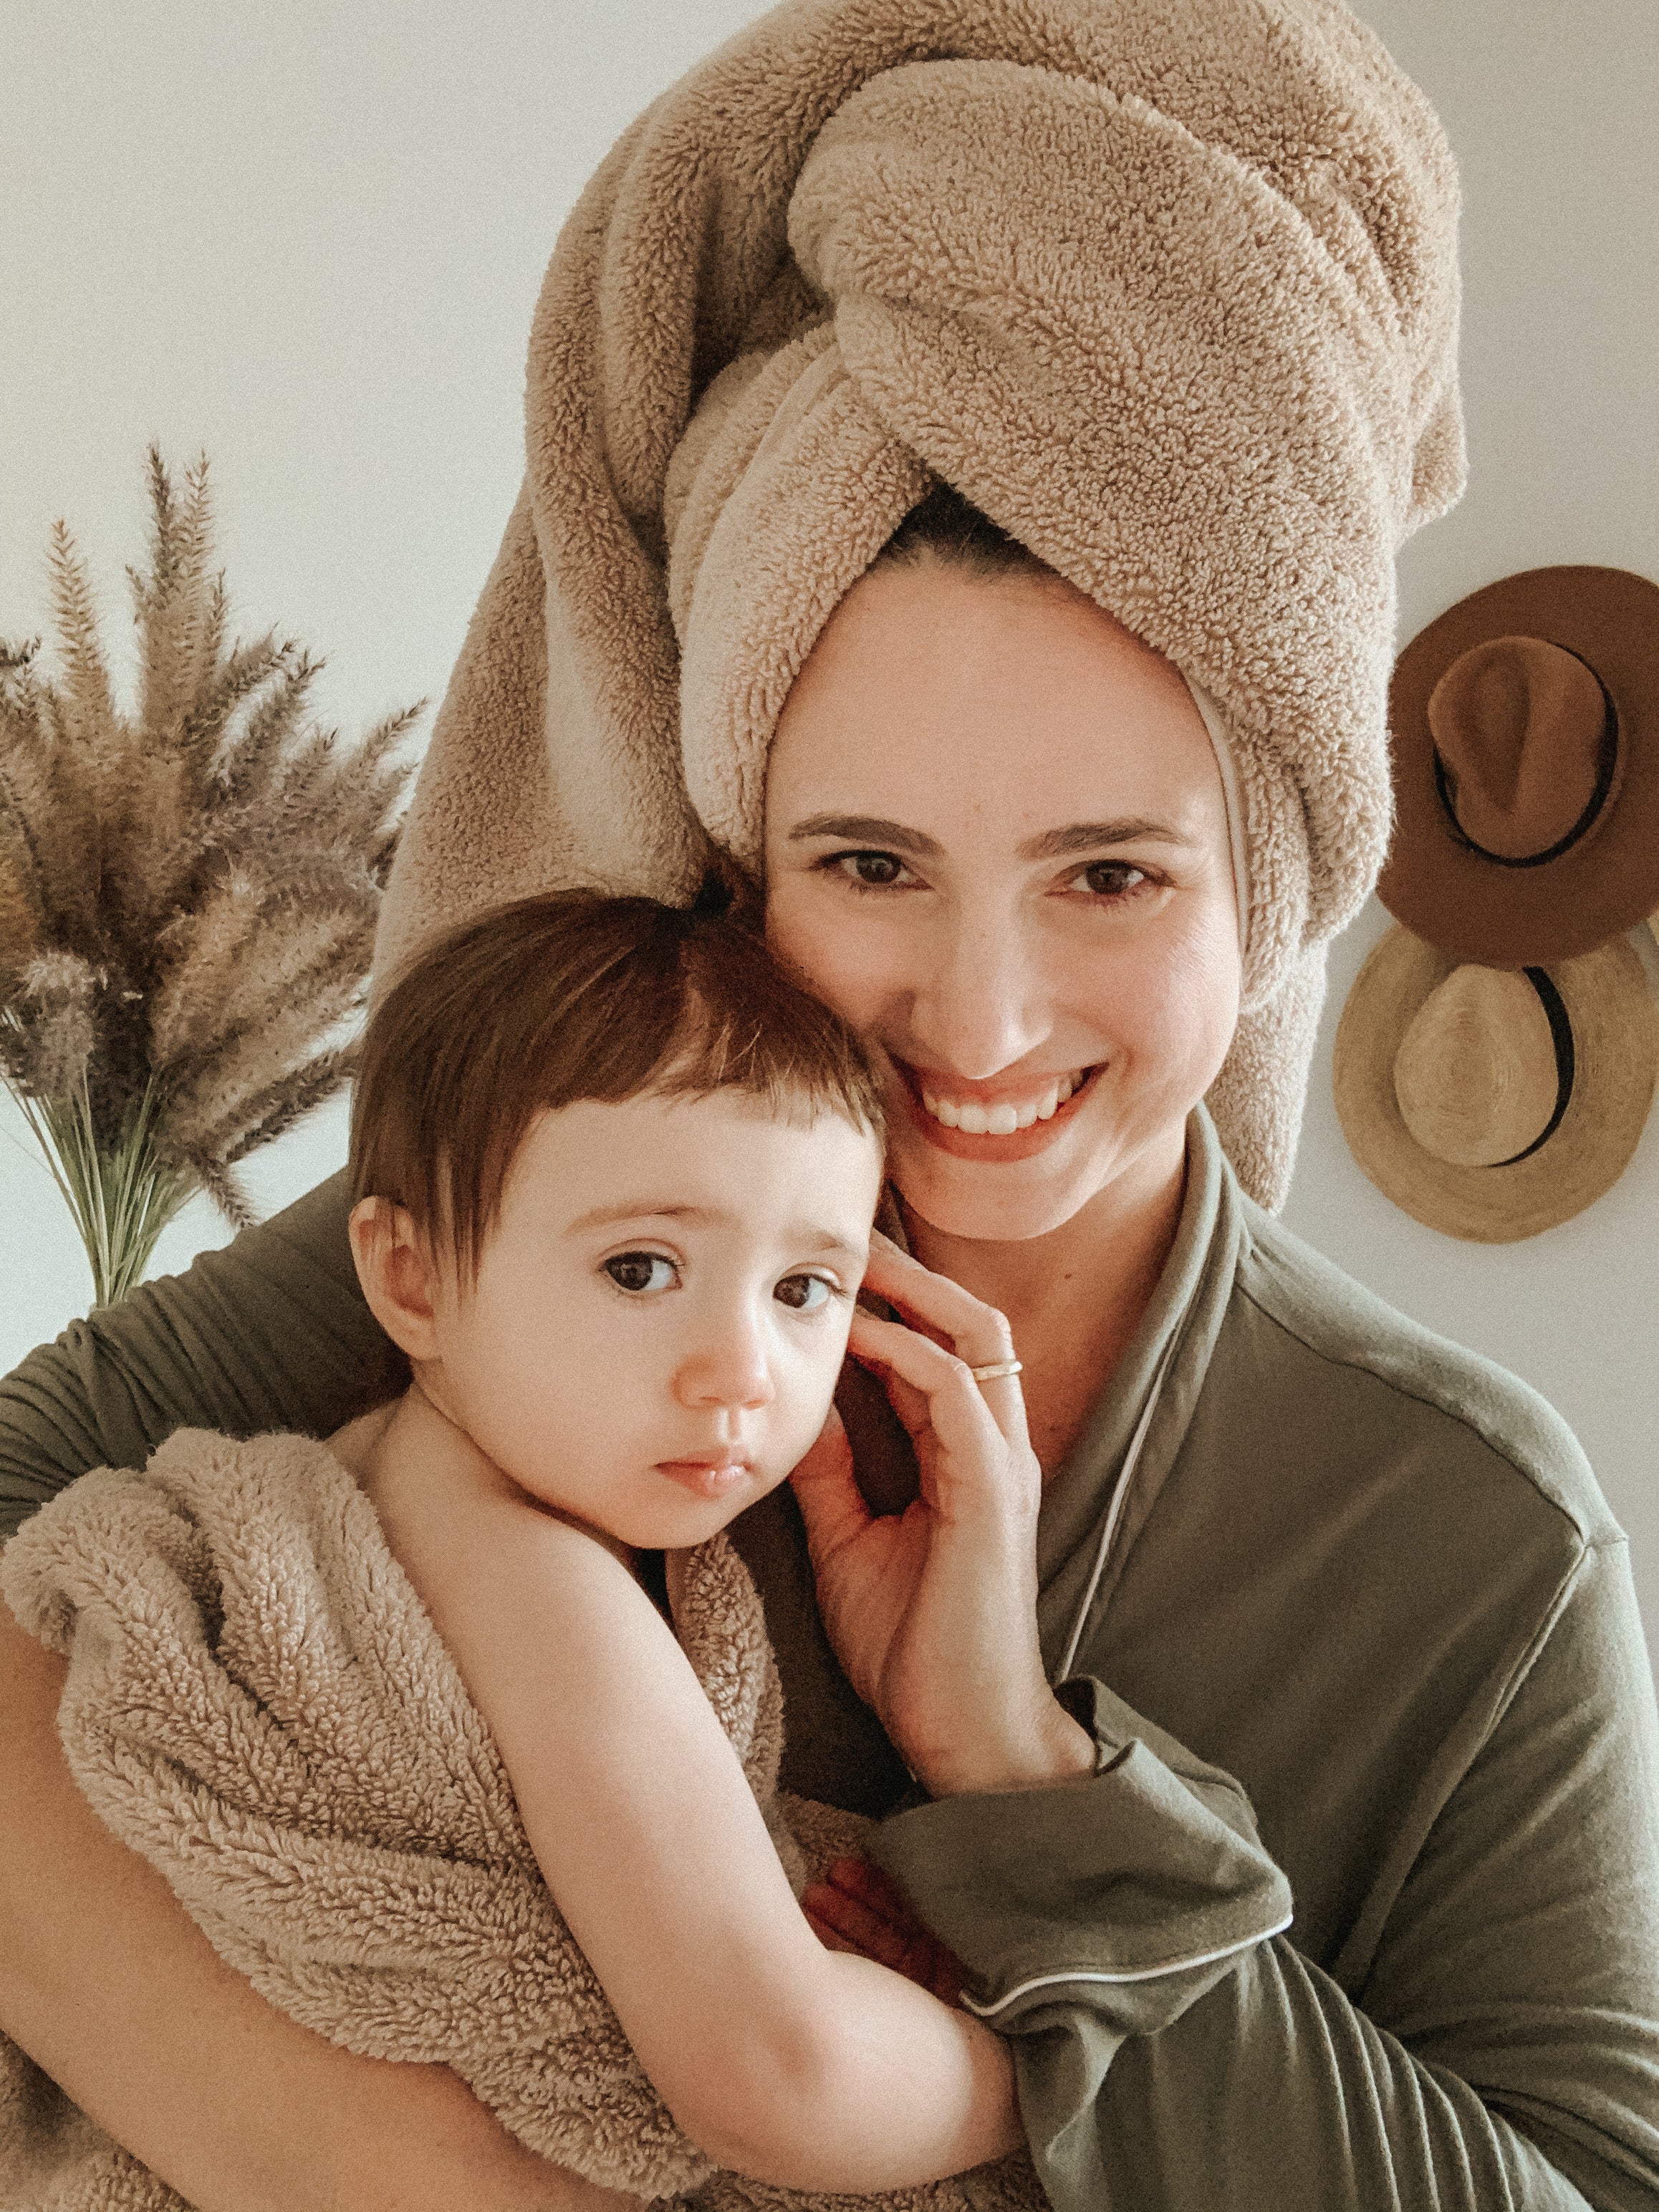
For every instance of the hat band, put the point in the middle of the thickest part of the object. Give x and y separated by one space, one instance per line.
1606 768
1561 1023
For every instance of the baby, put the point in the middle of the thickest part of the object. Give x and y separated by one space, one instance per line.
458 1735
614 1178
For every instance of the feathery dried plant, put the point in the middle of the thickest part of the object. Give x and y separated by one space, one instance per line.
188 892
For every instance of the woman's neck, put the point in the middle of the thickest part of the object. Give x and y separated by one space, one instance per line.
1073 1297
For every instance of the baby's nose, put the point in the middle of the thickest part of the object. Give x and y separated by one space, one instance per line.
729 1368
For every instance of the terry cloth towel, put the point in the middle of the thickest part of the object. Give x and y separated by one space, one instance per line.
1167 288
259 1704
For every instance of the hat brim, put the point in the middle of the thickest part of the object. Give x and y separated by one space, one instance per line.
1480 910
1615 1037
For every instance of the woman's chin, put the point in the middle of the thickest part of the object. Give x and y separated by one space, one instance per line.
993 1204
1010 1201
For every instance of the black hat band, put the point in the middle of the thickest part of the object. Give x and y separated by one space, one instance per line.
1561 1023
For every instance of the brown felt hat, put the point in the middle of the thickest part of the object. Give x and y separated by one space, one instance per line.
1524 724
1491 1103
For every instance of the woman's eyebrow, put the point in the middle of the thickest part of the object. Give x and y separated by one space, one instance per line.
1090 836
869 829
1051 845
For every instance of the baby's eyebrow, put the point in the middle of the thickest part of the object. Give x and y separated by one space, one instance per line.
802 1236
601 1216
824 1245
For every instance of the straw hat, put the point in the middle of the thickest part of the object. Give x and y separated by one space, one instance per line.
1490 1104
1525 730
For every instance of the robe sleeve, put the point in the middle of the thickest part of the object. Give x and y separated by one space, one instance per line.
1174 2049
272 1332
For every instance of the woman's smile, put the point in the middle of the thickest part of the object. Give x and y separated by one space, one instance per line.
1009 1118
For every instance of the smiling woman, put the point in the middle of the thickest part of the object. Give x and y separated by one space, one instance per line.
1045 936
1284 1783
1056 913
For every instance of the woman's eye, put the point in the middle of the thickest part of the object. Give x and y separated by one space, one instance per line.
870 870
641 1271
803 1293
1112 879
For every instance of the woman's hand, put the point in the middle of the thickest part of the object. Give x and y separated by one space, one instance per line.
855 1908
933 1612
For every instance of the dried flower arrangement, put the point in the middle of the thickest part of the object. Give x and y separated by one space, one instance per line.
188 892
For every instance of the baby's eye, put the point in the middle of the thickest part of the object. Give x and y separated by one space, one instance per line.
803 1293
1111 879
871 872
641 1271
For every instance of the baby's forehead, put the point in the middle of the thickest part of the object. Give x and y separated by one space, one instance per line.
711 1158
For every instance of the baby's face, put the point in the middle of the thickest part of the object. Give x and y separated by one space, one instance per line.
661 1309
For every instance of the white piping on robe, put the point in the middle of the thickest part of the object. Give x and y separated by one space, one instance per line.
1120 1492
1132 1973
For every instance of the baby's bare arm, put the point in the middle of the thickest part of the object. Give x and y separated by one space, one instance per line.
779 2058
111 1988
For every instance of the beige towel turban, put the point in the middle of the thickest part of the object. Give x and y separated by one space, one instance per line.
1168 288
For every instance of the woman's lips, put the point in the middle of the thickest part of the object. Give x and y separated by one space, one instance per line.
706 1477
963 1144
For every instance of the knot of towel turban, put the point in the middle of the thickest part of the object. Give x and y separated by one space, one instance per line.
1167 288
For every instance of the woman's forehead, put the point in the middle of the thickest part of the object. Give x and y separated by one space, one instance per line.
937 698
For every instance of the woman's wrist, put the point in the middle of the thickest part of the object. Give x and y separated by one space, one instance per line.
1048 1746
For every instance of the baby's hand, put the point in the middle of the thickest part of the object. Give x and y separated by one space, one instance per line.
933 1612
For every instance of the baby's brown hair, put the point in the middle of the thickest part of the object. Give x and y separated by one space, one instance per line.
570 996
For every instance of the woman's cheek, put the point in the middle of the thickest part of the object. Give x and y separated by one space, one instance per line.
1167 1023
838 953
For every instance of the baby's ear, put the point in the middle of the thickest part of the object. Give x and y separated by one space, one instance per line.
395 1268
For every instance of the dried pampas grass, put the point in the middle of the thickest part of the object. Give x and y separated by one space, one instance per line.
188 892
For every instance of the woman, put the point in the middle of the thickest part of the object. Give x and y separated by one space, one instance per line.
1331 1621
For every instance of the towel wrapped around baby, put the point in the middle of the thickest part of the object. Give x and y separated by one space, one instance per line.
259 1704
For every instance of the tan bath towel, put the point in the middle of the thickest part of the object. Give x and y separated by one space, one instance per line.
1168 288
259 1704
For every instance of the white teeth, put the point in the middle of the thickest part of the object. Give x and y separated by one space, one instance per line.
1003 1119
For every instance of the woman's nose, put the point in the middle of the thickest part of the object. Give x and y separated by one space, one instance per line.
981 1005
726 1366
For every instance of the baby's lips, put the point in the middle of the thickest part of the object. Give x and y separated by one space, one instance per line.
704 1479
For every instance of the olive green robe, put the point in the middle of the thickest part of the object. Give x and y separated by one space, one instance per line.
1360 1906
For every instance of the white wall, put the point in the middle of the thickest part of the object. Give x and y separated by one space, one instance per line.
1550 108
309 238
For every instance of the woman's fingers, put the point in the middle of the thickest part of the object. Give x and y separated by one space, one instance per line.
831 1503
977 1333
830 1935
857 1928
855 1908
856 1878
964 1413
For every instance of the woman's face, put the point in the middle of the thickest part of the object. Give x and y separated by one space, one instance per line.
996 841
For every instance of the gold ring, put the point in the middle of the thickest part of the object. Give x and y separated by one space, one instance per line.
996 1369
